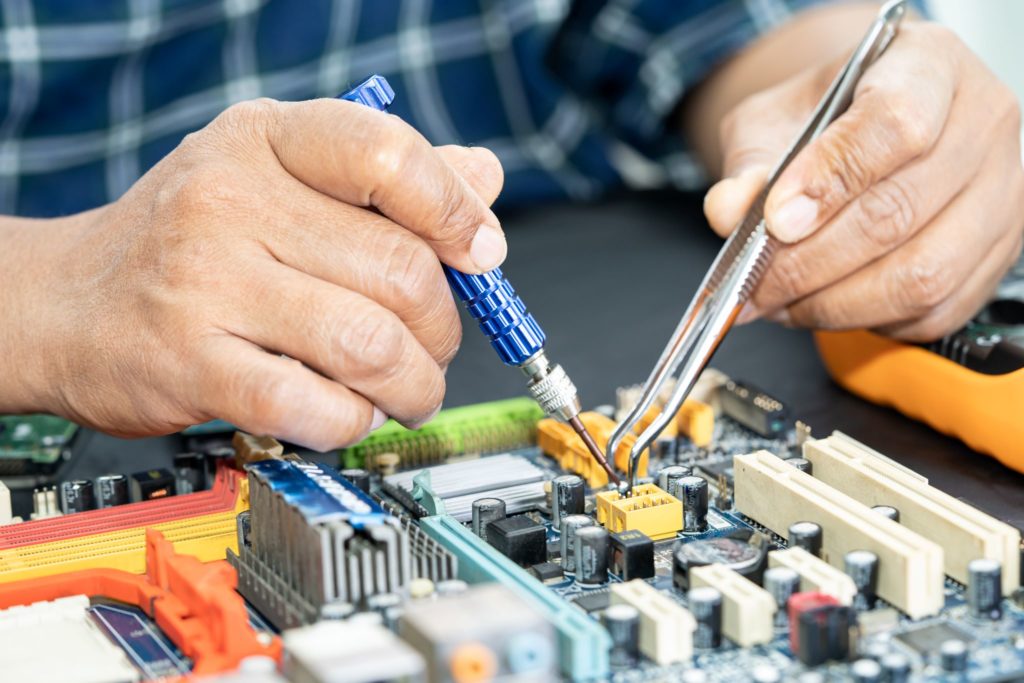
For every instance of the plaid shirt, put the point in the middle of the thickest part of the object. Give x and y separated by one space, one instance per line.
94 92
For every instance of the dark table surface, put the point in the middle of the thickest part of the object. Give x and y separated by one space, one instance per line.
608 282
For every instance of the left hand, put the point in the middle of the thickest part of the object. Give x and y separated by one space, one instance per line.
907 211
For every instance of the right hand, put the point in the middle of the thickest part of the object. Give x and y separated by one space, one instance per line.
310 229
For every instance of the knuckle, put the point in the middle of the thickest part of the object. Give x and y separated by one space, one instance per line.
911 130
248 116
262 397
412 271
373 342
454 218
845 166
922 284
392 145
887 214
791 278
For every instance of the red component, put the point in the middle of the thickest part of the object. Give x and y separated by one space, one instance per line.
194 603
146 513
797 605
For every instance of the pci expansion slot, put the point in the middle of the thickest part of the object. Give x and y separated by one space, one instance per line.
964 532
774 493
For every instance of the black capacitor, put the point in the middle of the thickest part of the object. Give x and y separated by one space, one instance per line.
862 567
895 668
806 535
781 583
985 588
359 477
632 555
667 450
887 511
152 484
189 472
706 606
953 655
570 525
213 458
486 511
77 496
623 625
823 633
520 539
668 478
567 497
111 490
866 671
591 555
802 464
694 494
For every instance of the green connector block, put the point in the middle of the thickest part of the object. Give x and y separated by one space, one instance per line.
37 439
582 642
480 428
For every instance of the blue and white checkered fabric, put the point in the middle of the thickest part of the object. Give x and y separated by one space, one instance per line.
94 92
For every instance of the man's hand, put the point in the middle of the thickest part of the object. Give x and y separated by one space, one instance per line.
905 213
311 230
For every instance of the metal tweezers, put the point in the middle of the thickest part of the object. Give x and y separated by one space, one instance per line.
741 263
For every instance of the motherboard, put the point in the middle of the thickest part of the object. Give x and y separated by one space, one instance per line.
488 546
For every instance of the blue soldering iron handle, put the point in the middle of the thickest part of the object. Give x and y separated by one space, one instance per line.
489 297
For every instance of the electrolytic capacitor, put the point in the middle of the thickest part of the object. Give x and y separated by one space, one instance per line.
567 497
623 625
706 606
887 511
781 583
802 464
953 655
486 511
591 554
806 535
668 478
862 567
189 472
985 588
359 477
866 671
895 668
111 490
694 493
77 496
666 449
570 525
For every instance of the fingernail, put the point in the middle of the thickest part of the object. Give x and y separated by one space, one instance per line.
488 248
794 220
748 313
420 423
379 418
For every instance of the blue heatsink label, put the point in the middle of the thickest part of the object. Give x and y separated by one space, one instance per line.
318 492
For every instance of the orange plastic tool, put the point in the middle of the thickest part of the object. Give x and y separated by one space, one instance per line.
194 603
984 411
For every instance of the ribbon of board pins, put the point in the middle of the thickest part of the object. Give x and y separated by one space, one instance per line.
741 263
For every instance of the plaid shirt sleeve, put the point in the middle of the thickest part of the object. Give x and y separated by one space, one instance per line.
92 94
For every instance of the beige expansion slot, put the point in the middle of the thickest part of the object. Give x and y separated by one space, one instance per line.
776 494
964 532
666 627
747 609
816 575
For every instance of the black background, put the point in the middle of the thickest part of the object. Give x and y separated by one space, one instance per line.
608 282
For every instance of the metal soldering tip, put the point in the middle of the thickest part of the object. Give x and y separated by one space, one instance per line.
577 425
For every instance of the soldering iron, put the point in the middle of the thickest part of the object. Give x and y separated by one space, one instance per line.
502 317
